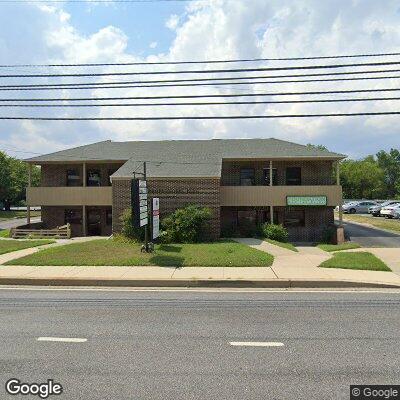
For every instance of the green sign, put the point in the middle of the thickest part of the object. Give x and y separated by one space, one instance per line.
306 200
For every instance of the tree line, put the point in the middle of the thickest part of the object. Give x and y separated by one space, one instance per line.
14 180
373 177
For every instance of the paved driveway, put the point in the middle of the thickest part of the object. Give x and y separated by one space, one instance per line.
371 237
13 223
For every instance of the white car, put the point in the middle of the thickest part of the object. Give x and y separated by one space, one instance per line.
391 211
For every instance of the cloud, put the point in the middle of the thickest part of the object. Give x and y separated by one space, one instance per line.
172 22
218 29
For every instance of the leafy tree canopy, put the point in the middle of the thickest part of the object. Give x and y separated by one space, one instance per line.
14 179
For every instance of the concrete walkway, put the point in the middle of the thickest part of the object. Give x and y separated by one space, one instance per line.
290 269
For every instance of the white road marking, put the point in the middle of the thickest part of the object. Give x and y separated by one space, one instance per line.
60 339
257 344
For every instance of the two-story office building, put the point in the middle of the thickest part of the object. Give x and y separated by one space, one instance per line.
243 181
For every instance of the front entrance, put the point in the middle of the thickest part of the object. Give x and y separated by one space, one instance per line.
94 222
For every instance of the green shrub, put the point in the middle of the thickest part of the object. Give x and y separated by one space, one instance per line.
186 225
128 229
275 232
328 234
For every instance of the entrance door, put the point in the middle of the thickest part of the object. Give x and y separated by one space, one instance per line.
94 222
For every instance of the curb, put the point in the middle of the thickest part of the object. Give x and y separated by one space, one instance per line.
276 283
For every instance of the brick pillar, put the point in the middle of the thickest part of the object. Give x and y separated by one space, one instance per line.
121 200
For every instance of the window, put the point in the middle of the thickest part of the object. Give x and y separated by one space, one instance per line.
274 176
293 176
93 178
73 178
247 177
72 217
294 218
109 216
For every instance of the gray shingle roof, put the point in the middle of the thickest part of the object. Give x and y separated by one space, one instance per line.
184 158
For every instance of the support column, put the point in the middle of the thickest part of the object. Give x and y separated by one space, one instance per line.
341 200
84 224
271 207
28 207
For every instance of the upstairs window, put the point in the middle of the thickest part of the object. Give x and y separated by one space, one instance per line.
274 176
247 177
93 178
293 176
73 178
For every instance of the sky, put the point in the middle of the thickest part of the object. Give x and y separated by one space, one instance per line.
43 32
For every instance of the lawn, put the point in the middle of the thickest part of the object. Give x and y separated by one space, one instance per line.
5 233
355 260
6 246
285 245
378 222
338 247
116 252
6 215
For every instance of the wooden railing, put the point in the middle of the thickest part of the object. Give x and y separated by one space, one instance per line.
61 232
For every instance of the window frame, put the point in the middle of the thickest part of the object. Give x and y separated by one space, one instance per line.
293 181
93 171
302 219
72 172
252 180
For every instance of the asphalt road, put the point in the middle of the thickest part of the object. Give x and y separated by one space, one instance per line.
371 237
176 344
13 223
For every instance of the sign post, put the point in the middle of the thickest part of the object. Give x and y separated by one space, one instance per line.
156 217
139 201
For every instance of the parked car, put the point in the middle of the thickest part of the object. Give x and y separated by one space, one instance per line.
390 211
376 210
358 206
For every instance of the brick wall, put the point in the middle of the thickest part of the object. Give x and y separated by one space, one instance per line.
173 194
56 175
317 219
121 200
54 216
312 172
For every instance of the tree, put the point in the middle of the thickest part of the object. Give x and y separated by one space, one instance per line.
362 179
390 164
317 147
14 179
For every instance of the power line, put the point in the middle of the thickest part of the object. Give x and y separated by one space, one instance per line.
214 71
239 60
176 82
206 103
205 95
96 1
231 117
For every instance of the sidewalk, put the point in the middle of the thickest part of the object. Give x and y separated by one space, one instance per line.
290 269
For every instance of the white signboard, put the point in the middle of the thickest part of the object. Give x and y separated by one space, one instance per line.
156 217
139 202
